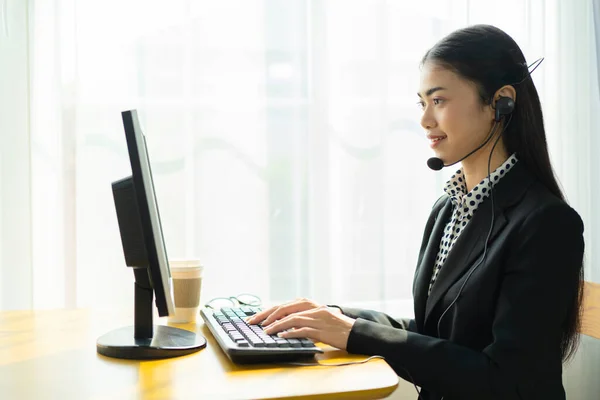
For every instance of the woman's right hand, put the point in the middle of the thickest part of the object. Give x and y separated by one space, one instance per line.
275 313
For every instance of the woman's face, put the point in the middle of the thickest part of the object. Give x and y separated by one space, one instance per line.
455 121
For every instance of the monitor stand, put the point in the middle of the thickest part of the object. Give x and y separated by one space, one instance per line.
138 342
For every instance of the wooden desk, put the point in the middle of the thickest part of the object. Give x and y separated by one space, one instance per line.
52 355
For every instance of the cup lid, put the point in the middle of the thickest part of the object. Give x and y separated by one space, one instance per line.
194 271
184 262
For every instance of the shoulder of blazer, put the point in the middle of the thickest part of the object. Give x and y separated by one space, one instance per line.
521 188
521 195
538 200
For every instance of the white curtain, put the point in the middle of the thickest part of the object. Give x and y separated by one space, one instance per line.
284 138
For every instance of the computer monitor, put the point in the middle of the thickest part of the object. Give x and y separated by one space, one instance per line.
145 252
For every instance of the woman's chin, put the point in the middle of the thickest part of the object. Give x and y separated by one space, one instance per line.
440 154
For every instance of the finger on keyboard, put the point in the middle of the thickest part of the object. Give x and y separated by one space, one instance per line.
261 316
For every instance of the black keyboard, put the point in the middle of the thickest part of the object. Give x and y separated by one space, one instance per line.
244 343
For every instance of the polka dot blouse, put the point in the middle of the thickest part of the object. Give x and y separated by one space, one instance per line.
463 207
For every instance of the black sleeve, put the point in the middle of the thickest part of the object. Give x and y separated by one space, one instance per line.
524 360
378 317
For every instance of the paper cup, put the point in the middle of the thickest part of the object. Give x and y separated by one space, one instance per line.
187 287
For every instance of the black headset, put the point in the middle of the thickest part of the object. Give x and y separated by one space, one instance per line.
504 106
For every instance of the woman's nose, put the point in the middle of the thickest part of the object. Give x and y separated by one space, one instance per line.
427 120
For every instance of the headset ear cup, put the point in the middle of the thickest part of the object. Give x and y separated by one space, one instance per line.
504 106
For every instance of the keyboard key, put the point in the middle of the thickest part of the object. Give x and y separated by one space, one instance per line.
247 310
282 343
306 343
257 343
295 342
242 343
252 337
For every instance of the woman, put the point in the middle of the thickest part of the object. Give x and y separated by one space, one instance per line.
492 321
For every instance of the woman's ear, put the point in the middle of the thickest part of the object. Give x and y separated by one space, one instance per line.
505 91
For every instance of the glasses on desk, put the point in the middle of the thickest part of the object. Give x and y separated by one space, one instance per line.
244 299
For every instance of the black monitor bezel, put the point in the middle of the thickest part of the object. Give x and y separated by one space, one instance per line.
158 266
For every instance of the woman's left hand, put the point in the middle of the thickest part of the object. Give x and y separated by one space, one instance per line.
319 324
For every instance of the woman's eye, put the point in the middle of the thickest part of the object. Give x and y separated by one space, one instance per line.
436 102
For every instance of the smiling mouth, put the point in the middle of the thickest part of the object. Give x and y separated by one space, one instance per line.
437 139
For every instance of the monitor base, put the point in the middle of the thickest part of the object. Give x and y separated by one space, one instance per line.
166 342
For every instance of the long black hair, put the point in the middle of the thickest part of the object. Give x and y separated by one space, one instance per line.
491 59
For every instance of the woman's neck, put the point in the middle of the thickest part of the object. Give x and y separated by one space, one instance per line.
475 167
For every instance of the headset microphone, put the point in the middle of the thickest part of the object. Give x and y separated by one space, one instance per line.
504 106
435 163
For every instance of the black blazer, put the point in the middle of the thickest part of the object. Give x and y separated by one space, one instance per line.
501 339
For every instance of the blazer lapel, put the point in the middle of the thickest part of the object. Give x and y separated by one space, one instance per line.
425 268
469 247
